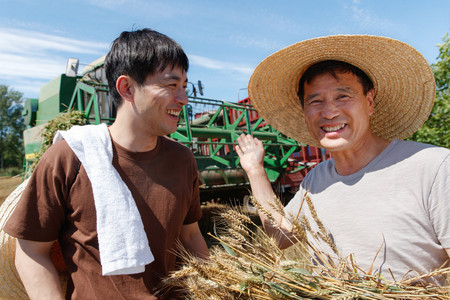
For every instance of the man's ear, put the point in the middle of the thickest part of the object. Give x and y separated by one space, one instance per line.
125 86
370 97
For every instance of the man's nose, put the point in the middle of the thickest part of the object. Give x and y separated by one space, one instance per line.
330 110
181 97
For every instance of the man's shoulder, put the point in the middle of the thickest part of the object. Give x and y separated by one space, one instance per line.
175 145
324 166
59 151
321 170
59 160
421 150
418 145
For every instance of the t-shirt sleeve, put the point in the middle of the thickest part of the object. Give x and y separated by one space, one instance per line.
440 203
195 210
40 212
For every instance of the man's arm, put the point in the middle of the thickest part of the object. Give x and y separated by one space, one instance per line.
192 239
251 154
36 270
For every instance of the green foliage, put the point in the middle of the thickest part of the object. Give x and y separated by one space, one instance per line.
436 129
62 121
11 171
11 127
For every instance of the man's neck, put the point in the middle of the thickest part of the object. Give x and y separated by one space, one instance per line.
350 162
132 139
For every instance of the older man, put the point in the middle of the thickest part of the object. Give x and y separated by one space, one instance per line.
383 200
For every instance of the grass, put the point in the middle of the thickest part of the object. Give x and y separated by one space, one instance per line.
7 185
11 171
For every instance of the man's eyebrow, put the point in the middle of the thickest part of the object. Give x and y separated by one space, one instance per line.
311 96
345 89
339 89
174 77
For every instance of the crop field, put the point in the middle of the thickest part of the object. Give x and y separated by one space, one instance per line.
7 185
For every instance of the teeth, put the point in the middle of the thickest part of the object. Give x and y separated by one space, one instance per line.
173 112
333 128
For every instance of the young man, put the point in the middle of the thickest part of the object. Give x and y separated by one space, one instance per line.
71 194
383 200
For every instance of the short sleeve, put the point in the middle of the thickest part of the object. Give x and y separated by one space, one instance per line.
195 211
40 212
440 203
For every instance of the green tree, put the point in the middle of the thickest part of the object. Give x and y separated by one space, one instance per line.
436 129
11 127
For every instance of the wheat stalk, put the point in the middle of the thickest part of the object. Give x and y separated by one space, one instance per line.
247 264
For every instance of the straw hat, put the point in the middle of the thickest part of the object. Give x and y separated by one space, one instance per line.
403 80
11 287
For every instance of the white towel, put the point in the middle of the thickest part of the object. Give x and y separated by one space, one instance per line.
122 240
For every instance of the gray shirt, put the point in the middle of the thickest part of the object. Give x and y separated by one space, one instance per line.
398 203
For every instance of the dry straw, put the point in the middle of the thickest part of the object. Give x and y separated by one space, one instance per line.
11 287
247 264
403 80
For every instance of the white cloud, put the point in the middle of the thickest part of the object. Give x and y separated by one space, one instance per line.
34 57
154 10
31 54
223 66
30 67
30 88
362 16
25 41
248 41
279 23
368 20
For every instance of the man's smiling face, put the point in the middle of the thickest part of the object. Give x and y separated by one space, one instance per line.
337 112
159 101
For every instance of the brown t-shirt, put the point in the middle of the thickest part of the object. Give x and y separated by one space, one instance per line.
58 204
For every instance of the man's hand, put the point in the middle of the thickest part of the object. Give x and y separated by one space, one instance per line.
251 154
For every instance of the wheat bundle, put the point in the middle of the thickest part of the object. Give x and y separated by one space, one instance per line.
247 264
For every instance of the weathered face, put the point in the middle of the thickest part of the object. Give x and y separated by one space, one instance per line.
159 101
337 112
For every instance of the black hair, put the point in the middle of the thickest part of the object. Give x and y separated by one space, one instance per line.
332 67
139 54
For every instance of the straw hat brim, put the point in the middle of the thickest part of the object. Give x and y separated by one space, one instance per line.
11 286
403 81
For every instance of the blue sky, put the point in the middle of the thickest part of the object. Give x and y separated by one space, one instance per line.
224 40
